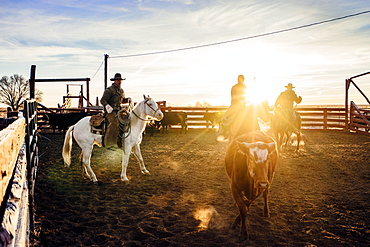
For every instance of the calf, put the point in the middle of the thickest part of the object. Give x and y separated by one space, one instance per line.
63 120
174 118
250 164
214 118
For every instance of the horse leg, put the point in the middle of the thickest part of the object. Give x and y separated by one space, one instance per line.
85 158
288 134
137 152
279 140
299 137
125 158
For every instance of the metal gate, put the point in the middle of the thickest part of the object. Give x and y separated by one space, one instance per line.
30 115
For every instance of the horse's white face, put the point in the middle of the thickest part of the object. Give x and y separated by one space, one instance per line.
152 109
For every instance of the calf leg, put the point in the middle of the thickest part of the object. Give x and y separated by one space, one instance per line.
243 210
266 211
137 152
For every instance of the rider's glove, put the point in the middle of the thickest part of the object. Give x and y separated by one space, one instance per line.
109 108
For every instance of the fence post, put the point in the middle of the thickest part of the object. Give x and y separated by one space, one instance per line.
32 81
207 124
30 115
106 56
325 119
88 91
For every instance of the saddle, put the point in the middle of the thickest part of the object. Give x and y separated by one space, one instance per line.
97 123
112 126
96 120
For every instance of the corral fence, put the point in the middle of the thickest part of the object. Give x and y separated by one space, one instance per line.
359 117
18 165
324 118
313 118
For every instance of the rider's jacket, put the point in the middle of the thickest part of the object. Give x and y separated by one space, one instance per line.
238 94
113 96
287 98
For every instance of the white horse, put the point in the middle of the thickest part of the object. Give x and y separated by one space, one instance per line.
141 113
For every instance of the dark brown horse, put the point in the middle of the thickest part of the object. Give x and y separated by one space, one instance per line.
285 122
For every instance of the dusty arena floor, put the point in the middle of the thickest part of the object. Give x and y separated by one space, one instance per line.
319 196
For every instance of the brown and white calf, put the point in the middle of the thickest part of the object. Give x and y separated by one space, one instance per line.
250 164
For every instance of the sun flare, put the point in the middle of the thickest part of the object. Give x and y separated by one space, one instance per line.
260 90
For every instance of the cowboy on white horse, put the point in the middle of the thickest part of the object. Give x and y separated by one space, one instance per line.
111 100
140 114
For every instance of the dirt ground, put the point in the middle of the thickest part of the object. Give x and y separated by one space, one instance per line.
319 196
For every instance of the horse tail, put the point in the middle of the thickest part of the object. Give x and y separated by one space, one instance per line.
67 146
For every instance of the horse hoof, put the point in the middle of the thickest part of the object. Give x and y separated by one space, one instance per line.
145 172
244 237
95 182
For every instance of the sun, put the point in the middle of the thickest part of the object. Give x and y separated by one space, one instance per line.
259 90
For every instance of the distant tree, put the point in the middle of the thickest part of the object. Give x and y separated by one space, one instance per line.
202 104
14 90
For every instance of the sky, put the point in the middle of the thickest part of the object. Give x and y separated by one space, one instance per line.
68 39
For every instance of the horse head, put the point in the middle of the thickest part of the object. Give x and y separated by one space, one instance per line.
151 108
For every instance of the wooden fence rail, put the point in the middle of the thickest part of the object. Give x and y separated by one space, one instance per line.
18 166
312 117
359 119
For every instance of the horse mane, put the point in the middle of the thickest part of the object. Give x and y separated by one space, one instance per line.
143 101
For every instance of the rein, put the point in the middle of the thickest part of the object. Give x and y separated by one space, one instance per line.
121 125
147 120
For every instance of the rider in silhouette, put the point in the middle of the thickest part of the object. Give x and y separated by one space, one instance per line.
237 103
286 101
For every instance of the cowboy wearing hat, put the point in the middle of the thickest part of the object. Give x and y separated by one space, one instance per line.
284 103
113 95
287 98
111 100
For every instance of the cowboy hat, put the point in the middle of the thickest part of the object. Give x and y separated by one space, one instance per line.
290 85
117 76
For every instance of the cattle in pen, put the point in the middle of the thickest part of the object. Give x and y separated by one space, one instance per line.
63 121
213 118
250 164
173 118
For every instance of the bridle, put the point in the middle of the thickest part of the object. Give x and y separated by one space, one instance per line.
150 119
120 126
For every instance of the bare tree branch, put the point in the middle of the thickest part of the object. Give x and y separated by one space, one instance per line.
14 90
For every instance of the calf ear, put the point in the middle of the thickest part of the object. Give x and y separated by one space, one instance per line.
244 147
271 147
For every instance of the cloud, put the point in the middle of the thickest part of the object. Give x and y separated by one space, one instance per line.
69 39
